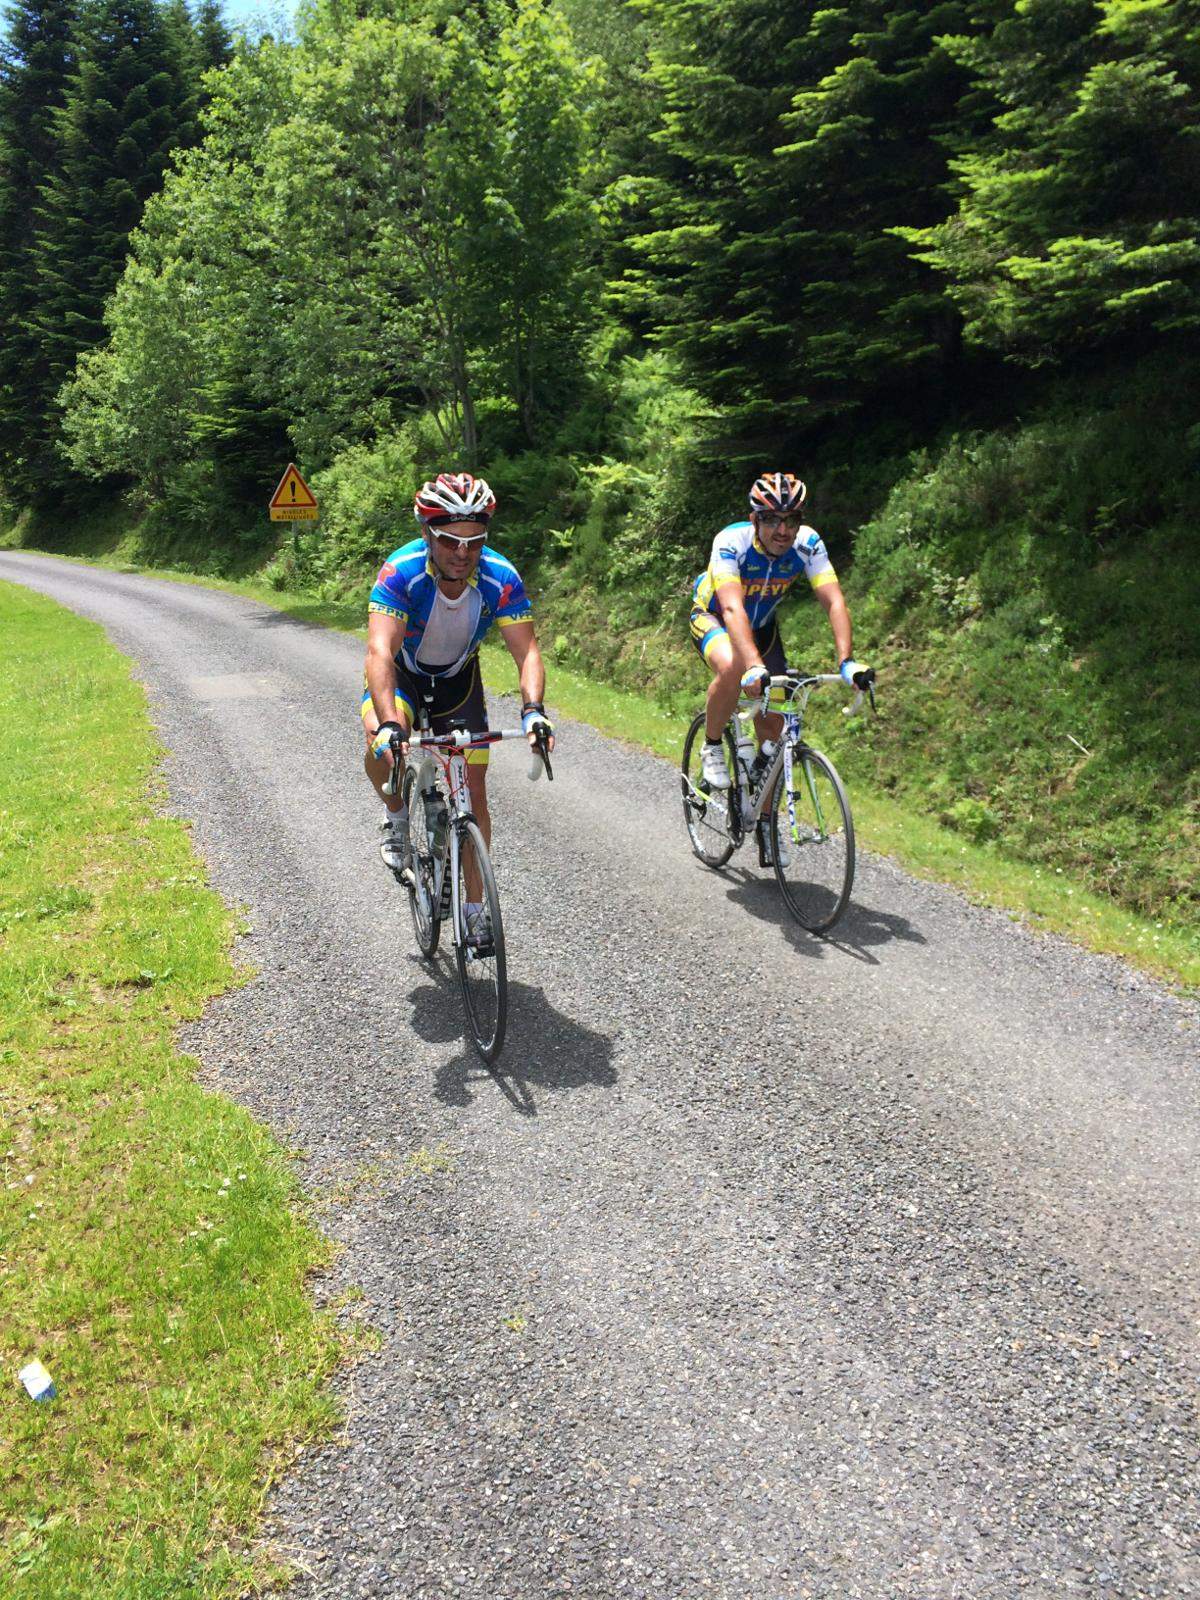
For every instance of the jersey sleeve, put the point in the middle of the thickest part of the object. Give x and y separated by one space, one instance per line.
390 594
724 562
512 603
817 566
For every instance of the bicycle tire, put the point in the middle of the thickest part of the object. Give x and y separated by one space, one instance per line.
482 976
817 878
422 902
710 823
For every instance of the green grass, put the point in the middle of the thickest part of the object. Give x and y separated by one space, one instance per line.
152 1253
1042 896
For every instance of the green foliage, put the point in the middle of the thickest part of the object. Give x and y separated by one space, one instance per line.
797 137
431 167
1008 590
97 146
1080 206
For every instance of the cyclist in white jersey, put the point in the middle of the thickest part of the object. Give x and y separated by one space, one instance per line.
434 600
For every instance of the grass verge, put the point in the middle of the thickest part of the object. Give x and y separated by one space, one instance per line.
152 1255
1043 898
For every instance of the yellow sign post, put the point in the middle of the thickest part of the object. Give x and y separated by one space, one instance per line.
293 500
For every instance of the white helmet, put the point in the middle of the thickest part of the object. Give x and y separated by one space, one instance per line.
453 497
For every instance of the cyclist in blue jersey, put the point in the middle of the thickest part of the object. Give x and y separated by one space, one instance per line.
753 565
433 601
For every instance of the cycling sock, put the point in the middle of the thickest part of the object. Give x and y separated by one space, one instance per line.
712 744
395 819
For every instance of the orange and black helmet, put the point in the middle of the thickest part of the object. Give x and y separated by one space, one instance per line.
779 492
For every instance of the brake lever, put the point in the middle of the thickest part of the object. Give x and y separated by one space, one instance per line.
393 777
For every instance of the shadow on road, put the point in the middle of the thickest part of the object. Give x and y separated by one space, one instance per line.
859 928
544 1048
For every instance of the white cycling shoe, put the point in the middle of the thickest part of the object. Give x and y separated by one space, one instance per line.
712 766
393 846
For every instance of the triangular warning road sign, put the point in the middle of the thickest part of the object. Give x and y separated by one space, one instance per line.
293 492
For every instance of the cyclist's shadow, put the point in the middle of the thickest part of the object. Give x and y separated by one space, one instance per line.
859 927
543 1048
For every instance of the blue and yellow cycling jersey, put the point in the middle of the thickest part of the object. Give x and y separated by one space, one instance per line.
407 587
737 557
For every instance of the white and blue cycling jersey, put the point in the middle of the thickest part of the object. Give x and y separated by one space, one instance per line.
407 588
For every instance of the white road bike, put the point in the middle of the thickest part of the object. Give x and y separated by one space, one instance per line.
450 874
797 795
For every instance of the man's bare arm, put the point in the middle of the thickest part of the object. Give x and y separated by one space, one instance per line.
737 625
831 597
385 635
523 647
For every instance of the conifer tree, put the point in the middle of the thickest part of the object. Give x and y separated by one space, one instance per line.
213 38
35 62
128 105
800 135
1081 204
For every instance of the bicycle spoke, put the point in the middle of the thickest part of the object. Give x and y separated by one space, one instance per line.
706 814
422 899
479 944
812 839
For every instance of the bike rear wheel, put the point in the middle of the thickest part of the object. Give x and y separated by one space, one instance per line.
479 947
812 840
708 814
422 900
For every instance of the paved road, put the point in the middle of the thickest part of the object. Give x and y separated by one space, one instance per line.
772 1268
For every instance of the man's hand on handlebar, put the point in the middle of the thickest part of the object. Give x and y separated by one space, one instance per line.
755 681
537 725
381 743
855 674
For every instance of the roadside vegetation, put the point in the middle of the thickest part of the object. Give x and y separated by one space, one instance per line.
942 260
152 1253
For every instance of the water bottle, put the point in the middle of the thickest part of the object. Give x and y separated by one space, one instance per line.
763 759
745 752
437 841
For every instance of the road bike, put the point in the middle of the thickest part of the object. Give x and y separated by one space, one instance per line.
448 873
795 792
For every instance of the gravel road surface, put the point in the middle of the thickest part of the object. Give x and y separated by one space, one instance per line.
769 1267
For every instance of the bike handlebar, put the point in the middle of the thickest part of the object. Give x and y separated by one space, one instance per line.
864 684
463 739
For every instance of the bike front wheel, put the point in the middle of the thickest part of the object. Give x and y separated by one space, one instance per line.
708 813
422 892
812 840
479 943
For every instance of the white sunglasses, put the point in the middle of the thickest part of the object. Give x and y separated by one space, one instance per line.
456 538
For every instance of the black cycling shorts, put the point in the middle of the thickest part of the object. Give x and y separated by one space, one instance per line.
454 702
707 628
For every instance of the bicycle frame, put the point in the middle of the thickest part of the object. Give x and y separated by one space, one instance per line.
447 751
752 801
453 767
